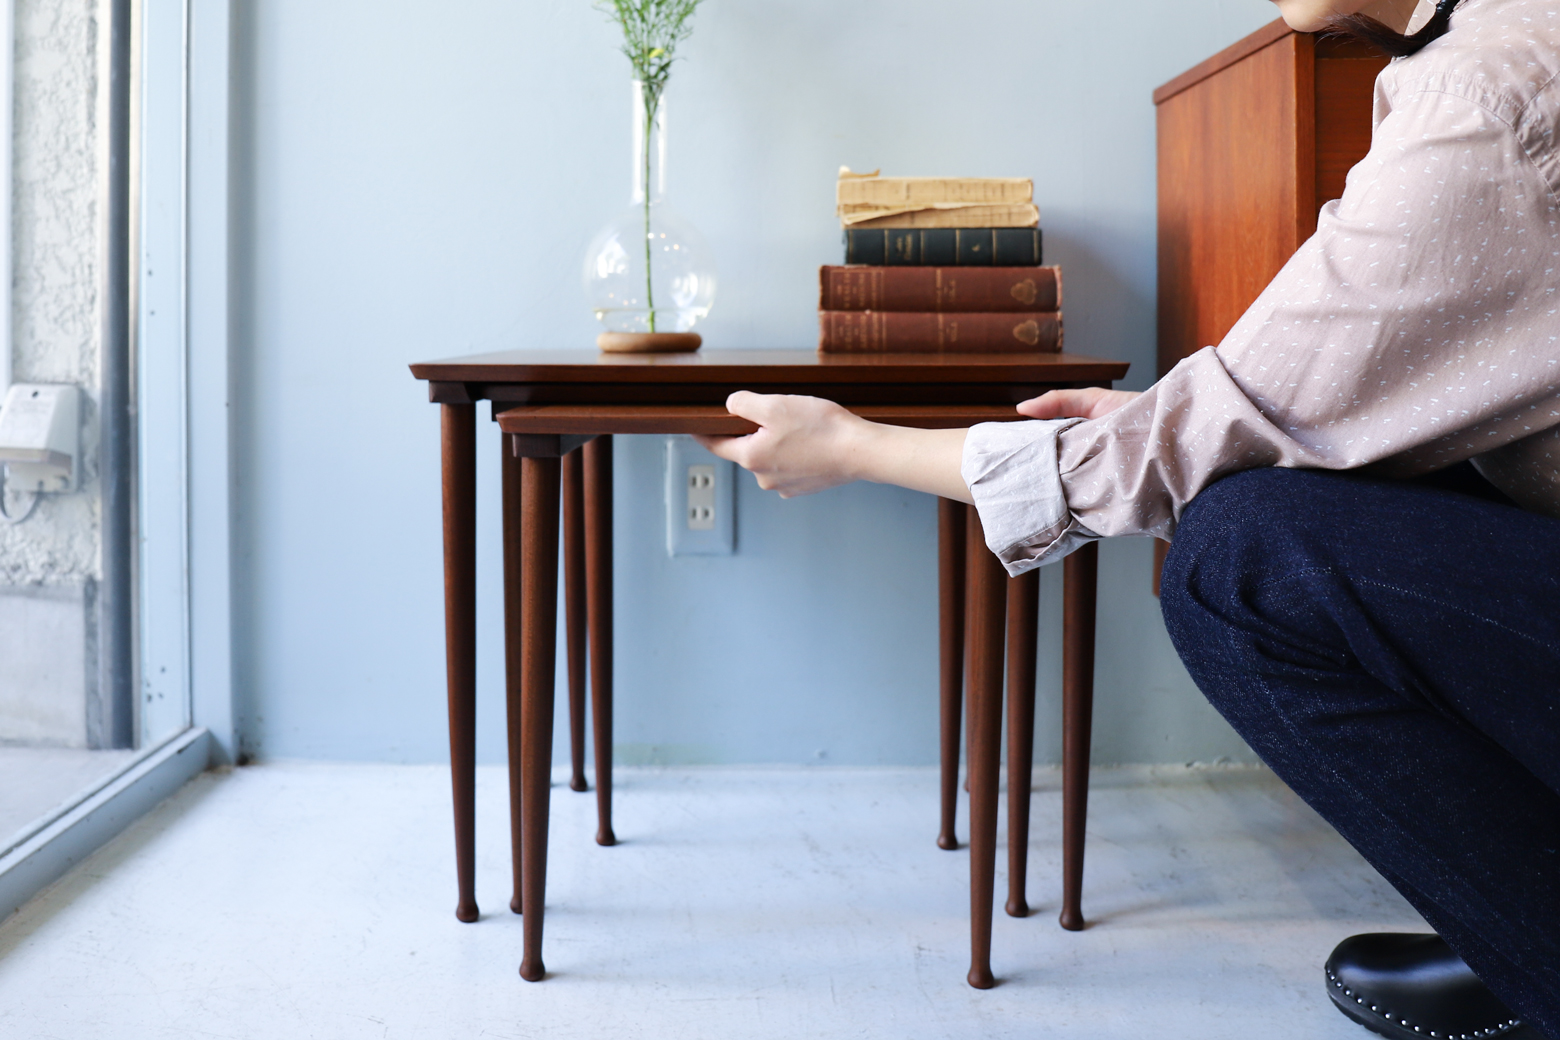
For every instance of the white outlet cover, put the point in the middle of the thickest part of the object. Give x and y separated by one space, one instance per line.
701 501
40 437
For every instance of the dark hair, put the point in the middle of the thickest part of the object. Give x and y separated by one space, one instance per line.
1395 43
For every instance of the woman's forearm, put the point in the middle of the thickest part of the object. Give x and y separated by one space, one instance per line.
805 444
922 460
930 460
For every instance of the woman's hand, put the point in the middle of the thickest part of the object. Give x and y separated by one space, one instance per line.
1089 403
806 444
803 444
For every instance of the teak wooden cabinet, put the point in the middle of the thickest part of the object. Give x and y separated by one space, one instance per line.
1252 143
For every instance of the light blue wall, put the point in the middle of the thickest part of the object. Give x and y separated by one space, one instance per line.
418 180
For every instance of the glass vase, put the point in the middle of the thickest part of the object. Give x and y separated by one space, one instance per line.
648 274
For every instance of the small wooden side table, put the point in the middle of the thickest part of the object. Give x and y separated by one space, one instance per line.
577 398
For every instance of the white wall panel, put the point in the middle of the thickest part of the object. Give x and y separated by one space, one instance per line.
416 181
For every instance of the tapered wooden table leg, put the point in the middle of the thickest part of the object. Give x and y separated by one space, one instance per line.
598 579
1023 620
951 552
574 608
1080 577
974 542
458 458
539 633
988 597
510 469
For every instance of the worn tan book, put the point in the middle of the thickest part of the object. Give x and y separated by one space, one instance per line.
869 189
1003 215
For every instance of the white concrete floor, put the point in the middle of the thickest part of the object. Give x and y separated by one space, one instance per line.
296 901
40 782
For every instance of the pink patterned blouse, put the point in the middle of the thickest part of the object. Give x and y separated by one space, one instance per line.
1419 327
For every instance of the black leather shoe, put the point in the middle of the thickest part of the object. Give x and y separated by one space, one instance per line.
1413 986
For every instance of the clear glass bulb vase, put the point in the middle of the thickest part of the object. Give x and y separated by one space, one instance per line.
648 273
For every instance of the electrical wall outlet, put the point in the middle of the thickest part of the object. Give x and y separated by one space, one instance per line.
701 501
701 497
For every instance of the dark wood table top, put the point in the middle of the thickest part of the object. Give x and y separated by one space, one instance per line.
563 366
706 376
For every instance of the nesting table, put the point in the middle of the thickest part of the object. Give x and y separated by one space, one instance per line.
558 410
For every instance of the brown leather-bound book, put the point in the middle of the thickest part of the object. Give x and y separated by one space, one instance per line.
920 332
946 289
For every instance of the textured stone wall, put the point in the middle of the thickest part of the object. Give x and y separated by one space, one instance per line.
49 565
56 249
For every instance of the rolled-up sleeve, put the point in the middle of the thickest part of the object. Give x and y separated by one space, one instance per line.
1012 472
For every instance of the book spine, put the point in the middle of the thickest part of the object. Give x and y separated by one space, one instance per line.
944 247
940 246
902 332
903 191
940 289
1015 247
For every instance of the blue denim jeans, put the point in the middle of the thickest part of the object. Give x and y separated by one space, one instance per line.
1392 651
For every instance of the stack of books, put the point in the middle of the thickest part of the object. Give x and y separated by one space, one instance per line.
939 264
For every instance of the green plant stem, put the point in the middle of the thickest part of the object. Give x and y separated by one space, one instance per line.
650 109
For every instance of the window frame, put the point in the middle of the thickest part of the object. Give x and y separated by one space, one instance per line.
177 269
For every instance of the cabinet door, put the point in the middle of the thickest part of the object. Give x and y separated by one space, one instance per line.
1234 176
1345 96
1251 144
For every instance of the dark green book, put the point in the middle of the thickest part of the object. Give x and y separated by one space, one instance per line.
944 247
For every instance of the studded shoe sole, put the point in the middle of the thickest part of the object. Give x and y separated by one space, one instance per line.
1388 1023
